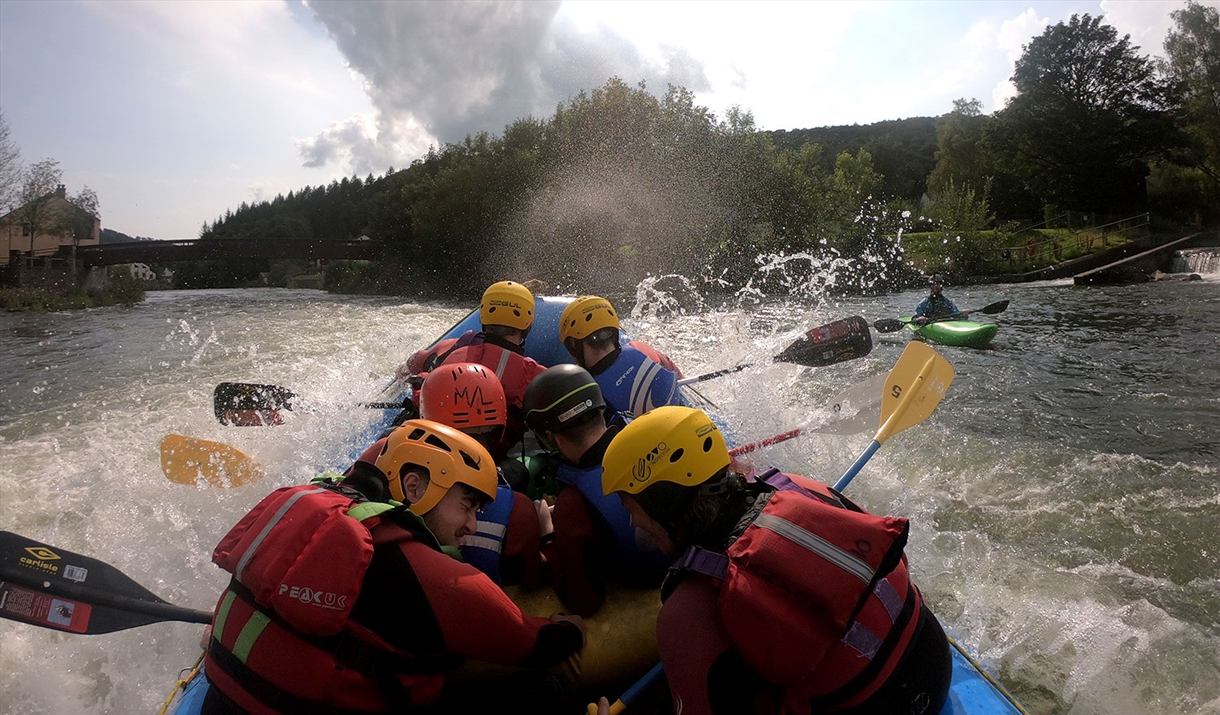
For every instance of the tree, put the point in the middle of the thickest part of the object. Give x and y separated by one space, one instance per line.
1193 60
1089 114
10 167
79 219
959 148
38 186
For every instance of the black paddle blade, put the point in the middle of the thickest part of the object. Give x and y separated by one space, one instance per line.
888 325
53 588
245 404
837 342
997 307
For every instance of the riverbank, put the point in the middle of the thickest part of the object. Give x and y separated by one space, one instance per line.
119 291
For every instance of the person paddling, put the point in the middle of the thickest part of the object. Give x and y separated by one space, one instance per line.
506 315
936 305
342 602
594 538
787 596
634 378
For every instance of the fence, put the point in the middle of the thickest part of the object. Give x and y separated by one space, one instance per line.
1078 241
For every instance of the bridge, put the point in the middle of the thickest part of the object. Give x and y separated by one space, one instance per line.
110 254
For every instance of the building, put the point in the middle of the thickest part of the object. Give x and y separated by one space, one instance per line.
39 228
141 271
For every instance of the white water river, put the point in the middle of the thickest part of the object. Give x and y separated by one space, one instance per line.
1064 499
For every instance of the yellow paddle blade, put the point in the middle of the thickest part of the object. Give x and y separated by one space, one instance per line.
913 389
186 460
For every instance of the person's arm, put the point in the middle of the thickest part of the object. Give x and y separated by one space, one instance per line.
478 620
656 356
663 390
572 560
522 540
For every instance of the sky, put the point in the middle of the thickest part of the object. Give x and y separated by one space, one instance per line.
174 112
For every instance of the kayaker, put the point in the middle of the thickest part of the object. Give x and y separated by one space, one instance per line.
505 545
787 596
506 314
634 377
936 305
594 538
340 603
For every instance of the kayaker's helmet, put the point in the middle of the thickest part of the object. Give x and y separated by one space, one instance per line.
935 282
561 397
463 395
584 317
449 456
509 304
668 445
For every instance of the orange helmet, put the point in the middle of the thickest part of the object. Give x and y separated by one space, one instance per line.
450 457
463 395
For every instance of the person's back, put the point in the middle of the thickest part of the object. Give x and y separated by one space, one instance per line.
788 597
633 378
595 540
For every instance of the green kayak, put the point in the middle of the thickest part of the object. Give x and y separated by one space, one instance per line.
962 333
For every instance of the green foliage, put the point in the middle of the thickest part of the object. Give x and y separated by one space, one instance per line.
1193 61
221 273
1089 113
962 215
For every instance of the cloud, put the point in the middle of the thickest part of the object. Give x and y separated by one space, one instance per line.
437 72
1012 38
1147 22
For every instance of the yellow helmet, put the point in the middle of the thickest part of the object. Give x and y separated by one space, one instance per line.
450 456
669 444
586 315
507 303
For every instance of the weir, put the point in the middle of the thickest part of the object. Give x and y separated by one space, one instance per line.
1142 267
1197 260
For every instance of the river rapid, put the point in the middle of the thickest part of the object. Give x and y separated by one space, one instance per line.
1063 497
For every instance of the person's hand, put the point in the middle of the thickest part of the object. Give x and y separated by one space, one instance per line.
545 523
603 706
570 618
921 320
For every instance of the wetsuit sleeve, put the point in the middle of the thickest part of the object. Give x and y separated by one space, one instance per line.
656 356
922 309
575 571
704 671
478 620
522 541
951 306
664 390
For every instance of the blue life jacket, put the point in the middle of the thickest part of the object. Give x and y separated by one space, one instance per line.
634 383
482 548
636 556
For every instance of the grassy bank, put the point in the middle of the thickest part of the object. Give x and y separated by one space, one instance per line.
120 290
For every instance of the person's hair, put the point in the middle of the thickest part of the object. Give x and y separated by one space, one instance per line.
697 515
584 424
419 469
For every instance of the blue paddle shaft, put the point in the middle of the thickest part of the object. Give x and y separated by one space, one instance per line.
854 469
643 684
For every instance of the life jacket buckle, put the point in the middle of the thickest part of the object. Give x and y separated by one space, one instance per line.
351 652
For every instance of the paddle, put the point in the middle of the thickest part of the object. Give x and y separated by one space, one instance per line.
186 460
890 325
836 342
911 391
247 404
914 388
49 587
851 412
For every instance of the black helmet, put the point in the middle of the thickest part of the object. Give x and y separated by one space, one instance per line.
559 396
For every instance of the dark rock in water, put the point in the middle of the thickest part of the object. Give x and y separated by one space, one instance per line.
1180 277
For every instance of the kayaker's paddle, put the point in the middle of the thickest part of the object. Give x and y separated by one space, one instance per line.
186 460
852 411
836 342
911 391
248 404
49 587
891 325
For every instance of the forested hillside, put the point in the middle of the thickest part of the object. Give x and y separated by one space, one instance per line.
620 183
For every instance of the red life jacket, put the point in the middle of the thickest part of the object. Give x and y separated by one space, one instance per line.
282 639
815 594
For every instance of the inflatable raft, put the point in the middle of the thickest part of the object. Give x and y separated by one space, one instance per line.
621 638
